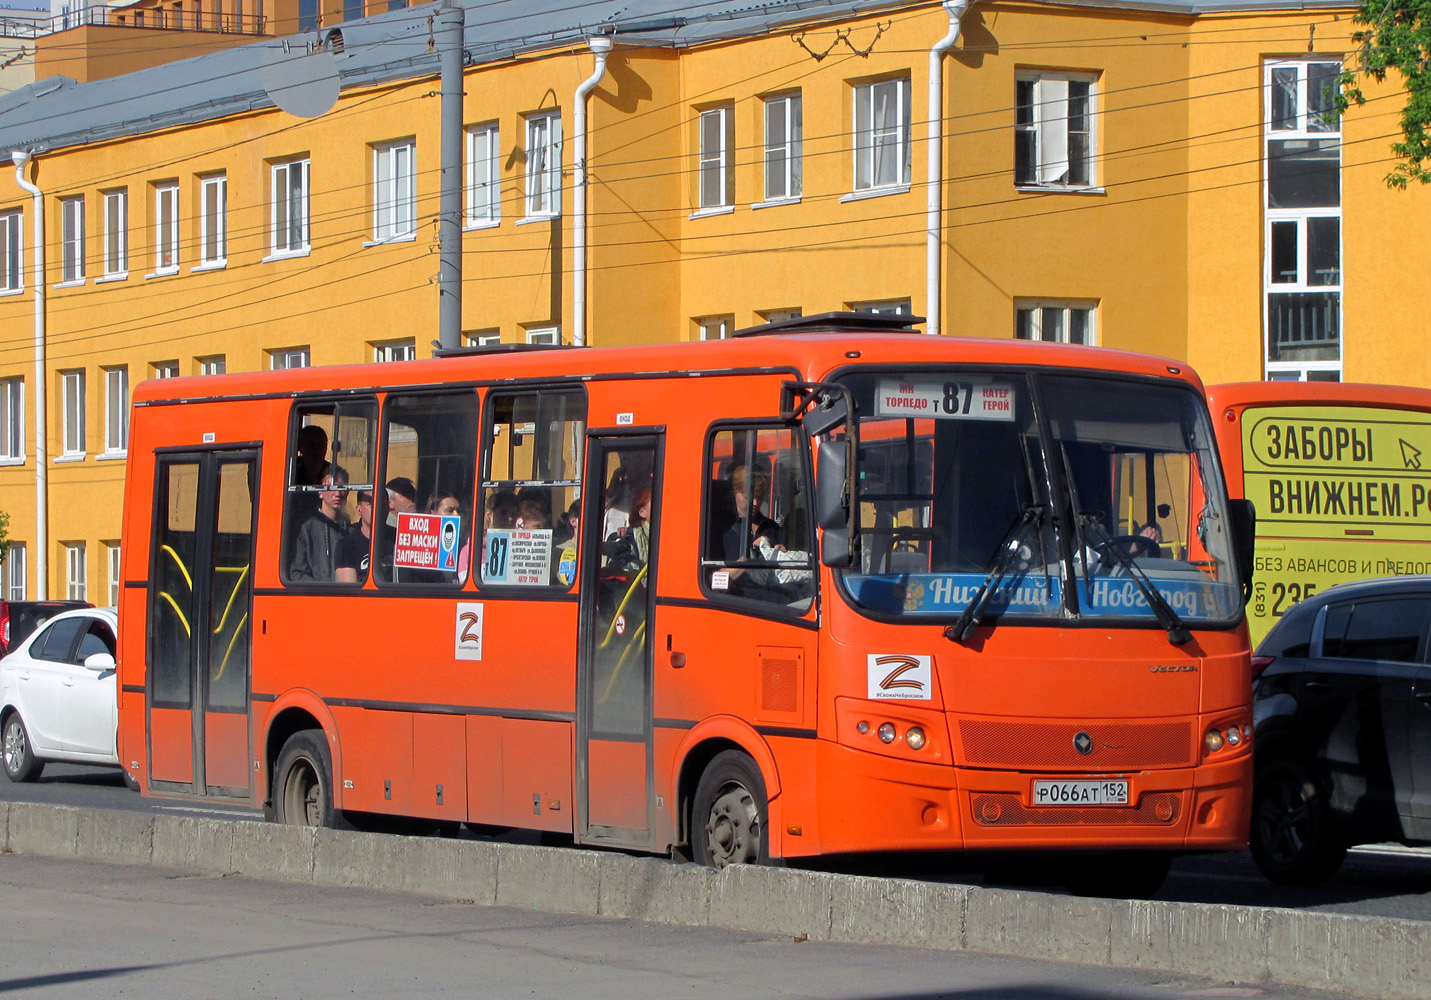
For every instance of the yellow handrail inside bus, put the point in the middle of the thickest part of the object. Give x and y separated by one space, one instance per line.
180 563
622 606
635 643
228 651
175 605
242 572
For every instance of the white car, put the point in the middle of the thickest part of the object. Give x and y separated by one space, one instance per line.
57 695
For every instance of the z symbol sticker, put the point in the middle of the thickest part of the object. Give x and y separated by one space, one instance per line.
895 675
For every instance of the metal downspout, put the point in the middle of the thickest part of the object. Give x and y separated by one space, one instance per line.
933 309
42 457
600 47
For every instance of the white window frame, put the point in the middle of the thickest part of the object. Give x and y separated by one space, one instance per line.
213 221
16 572
288 358
544 167
72 412
484 175
484 338
715 160
784 148
714 327
116 234
884 307
164 369
72 240
1309 125
76 584
395 350
213 364
116 410
880 131
1049 130
544 335
395 191
1057 316
12 252
111 565
289 189
779 315
166 228
12 421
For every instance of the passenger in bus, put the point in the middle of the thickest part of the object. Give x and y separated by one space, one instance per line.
312 459
532 515
746 491
628 549
618 504
444 504
501 509
565 529
354 553
402 499
315 554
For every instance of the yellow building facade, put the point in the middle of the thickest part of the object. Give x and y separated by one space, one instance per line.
1154 179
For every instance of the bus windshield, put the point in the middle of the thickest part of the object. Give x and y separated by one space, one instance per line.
996 494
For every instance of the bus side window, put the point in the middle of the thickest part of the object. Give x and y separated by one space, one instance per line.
422 511
531 488
331 446
757 540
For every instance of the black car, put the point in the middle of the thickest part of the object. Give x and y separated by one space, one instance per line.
1342 742
20 618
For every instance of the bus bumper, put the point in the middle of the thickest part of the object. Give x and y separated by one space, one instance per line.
870 802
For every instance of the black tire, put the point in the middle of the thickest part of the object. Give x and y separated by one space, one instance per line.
1293 838
21 764
729 813
303 782
1125 875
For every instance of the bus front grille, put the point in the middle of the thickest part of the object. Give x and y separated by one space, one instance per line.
1119 746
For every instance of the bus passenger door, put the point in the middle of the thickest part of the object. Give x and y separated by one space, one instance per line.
200 590
614 665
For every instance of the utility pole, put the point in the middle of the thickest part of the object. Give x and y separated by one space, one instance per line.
448 32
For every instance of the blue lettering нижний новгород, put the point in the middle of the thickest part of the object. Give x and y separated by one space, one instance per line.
944 593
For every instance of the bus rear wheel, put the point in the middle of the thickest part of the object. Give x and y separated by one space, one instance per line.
303 782
728 815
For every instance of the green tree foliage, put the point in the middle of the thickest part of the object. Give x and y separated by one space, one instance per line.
1396 34
4 536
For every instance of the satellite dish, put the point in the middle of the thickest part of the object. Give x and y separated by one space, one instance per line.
299 80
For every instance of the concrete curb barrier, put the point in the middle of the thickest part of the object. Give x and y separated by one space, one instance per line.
1372 957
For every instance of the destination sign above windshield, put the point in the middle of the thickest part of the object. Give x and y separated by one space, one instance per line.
945 400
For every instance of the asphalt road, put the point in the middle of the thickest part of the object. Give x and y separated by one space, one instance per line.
1385 881
77 929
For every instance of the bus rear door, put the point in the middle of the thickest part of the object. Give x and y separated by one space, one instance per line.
199 640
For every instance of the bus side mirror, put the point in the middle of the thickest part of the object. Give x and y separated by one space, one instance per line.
1244 541
834 511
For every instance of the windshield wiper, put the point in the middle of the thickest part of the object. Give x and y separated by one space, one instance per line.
1178 634
970 617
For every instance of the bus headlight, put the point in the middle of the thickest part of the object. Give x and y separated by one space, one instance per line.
1213 741
915 738
886 732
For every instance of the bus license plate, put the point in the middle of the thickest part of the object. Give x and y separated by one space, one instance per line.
1080 793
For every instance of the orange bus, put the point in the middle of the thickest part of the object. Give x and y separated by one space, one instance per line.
1340 476
834 588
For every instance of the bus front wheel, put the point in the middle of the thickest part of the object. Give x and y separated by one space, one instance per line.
728 815
303 782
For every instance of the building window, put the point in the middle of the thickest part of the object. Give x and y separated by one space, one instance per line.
715 327
544 165
12 420
307 15
15 572
12 264
779 315
1302 272
289 233
717 157
882 151
352 9
71 239
544 335
886 307
166 228
72 402
111 564
288 357
1054 322
784 128
395 350
75 588
213 220
394 191
165 369
214 364
116 233
1053 131
484 338
116 410
484 178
